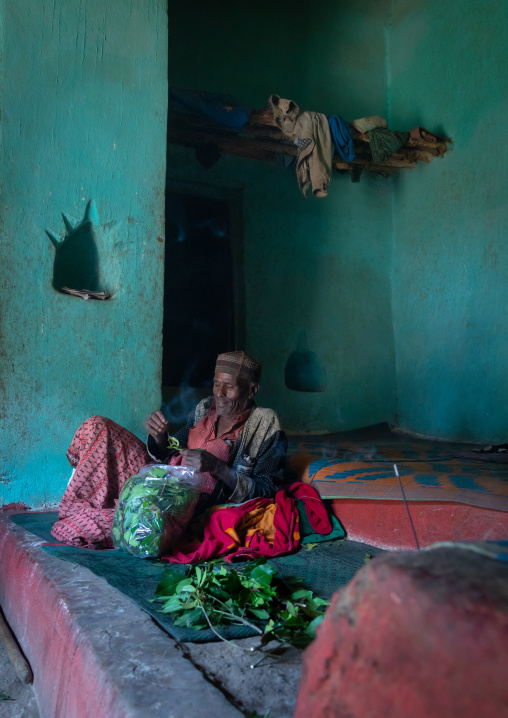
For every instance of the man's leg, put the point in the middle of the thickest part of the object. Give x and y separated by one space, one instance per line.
103 455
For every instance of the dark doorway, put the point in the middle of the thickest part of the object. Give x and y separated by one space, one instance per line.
199 289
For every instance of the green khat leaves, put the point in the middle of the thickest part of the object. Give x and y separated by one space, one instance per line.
152 509
213 595
173 443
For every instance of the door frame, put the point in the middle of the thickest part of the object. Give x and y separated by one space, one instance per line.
234 200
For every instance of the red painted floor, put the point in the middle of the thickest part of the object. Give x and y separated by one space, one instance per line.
386 523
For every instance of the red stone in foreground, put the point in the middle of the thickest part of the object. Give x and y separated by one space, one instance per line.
421 634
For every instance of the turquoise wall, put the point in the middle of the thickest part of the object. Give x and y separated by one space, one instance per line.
450 218
400 285
403 278
83 97
319 266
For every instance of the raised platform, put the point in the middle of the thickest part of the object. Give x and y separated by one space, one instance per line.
94 654
96 651
452 494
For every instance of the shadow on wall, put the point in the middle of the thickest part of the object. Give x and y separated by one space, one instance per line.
304 371
76 267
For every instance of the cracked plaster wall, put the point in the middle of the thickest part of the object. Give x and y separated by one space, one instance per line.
76 80
450 219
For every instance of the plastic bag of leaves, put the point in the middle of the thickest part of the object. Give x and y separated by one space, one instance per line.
154 509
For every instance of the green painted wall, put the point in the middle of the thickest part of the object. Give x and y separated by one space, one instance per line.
434 238
83 97
450 276
400 286
317 266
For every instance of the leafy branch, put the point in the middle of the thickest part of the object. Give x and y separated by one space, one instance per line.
213 595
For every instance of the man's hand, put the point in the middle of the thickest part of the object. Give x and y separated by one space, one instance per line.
205 462
202 461
157 426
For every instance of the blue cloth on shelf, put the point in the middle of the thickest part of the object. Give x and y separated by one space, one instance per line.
216 107
341 136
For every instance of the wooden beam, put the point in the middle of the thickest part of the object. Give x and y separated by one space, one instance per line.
266 149
261 139
229 143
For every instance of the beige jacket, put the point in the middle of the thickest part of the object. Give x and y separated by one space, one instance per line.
314 164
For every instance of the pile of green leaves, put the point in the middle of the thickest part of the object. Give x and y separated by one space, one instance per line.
147 503
214 595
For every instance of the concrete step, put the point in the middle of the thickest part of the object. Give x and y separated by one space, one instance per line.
94 653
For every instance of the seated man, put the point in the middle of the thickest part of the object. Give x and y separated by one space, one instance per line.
238 446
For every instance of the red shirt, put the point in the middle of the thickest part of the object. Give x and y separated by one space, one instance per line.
202 436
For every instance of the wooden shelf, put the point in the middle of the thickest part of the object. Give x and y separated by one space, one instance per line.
261 139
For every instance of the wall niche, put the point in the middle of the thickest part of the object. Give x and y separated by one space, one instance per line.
76 267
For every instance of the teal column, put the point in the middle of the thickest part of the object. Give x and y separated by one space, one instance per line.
84 101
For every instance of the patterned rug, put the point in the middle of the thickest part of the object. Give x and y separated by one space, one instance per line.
359 465
323 567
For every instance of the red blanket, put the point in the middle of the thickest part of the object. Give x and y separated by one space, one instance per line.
260 527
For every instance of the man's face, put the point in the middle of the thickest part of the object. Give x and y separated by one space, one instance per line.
231 397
